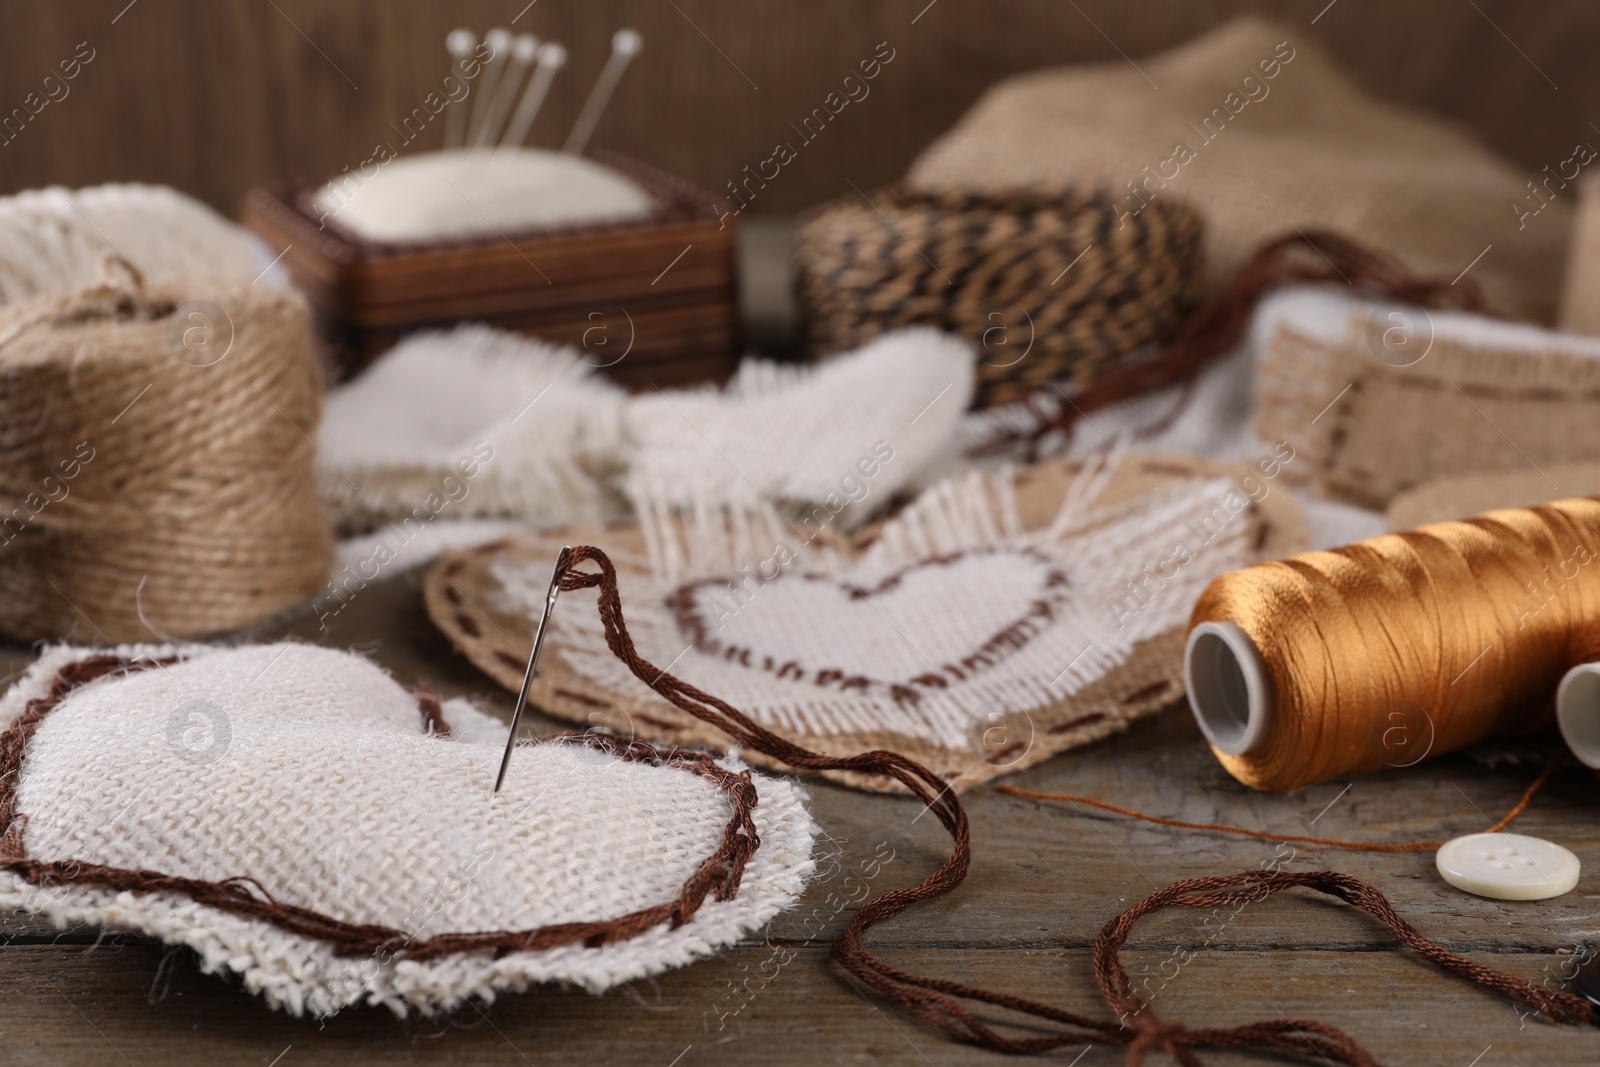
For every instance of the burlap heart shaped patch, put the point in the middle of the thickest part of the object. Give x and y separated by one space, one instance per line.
1000 598
997 619
298 818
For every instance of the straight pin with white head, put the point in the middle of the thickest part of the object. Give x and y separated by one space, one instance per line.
533 663
523 48
625 44
552 57
499 42
459 44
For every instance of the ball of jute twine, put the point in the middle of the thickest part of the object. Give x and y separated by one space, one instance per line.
156 473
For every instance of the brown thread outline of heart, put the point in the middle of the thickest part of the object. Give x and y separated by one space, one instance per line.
718 875
1010 638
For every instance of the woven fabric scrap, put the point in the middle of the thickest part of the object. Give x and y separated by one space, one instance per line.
483 423
1462 496
1378 398
363 812
996 620
787 437
56 241
490 423
1253 125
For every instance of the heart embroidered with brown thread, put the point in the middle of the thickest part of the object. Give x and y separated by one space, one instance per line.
1110 652
838 634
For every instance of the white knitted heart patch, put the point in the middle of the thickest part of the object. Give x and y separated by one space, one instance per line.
297 817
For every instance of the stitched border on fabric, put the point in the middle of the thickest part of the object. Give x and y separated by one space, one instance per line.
718 875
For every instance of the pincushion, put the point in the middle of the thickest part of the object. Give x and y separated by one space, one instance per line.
479 192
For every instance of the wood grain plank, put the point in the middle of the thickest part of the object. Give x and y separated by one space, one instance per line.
217 98
141 1005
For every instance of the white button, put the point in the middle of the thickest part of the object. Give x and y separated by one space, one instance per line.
1508 866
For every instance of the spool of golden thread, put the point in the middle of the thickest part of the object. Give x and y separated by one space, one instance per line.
1395 649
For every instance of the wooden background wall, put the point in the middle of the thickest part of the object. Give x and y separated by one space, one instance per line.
214 96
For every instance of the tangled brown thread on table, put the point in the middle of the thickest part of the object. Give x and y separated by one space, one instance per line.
156 463
938 1002
1325 842
718 876
1221 322
1443 618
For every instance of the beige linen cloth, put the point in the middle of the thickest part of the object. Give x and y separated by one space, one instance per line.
1263 133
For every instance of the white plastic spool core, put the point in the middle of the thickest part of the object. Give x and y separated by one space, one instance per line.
1578 712
1230 691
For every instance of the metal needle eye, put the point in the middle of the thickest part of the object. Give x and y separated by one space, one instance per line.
533 663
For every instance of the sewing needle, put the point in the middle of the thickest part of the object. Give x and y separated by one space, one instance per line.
533 661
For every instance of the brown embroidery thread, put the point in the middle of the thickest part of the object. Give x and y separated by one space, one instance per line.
937 1001
684 603
1219 324
1326 842
934 1000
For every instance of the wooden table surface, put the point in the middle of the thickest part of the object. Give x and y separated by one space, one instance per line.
1044 878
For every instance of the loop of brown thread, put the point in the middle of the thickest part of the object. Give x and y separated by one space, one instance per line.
718 876
1219 324
1303 1036
937 1001
1329 842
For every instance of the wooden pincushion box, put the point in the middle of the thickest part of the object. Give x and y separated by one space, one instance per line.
651 301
